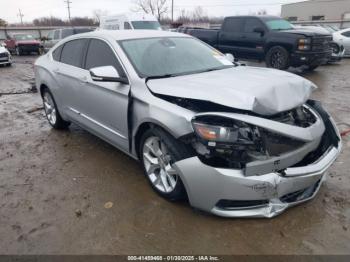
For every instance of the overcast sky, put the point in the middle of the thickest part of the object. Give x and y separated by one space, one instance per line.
39 8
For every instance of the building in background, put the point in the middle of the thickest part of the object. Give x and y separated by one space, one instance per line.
335 12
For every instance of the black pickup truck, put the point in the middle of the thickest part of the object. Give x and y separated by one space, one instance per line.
268 38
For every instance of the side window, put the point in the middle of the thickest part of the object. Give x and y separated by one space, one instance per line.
72 53
56 54
100 54
56 34
50 35
233 25
347 34
67 32
127 26
251 24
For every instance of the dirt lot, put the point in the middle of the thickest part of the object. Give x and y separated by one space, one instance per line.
55 188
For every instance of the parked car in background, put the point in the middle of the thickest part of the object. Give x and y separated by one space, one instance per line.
268 38
130 21
23 44
338 50
343 37
237 141
57 35
5 55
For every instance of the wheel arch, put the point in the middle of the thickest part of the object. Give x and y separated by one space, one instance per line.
287 46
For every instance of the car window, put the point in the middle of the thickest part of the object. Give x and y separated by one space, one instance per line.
50 35
251 24
67 32
56 54
82 30
172 56
233 25
56 34
100 54
72 53
127 26
347 34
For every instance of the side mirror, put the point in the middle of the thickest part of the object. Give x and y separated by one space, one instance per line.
107 74
259 30
230 57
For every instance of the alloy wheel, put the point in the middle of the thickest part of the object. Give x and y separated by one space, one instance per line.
50 109
158 165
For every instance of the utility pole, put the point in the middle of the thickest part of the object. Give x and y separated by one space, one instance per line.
20 15
68 7
172 11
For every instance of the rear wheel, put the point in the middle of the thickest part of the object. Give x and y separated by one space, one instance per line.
278 57
51 111
158 153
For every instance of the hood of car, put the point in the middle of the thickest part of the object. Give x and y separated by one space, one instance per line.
28 42
3 49
306 32
260 90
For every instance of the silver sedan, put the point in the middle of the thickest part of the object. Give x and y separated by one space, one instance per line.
235 141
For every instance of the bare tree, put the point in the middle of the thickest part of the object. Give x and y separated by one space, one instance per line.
3 22
154 7
98 13
199 15
262 12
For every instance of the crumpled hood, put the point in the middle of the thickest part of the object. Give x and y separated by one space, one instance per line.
260 90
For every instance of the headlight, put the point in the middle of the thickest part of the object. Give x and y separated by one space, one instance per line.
239 133
304 44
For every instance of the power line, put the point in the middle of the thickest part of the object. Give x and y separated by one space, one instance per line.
20 15
68 8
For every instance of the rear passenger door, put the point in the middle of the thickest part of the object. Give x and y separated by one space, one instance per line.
230 36
71 75
104 105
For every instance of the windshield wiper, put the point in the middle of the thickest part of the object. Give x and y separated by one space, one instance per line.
160 76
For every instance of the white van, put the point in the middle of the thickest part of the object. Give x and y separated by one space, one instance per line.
130 21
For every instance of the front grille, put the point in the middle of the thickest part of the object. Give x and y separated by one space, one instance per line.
4 55
29 47
321 44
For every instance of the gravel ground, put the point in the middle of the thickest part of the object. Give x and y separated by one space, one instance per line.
69 192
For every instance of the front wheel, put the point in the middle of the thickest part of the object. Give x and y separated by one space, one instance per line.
158 153
278 57
312 67
51 111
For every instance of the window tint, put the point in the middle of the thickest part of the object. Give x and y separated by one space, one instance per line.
127 26
100 54
347 34
72 53
57 34
67 32
233 25
56 54
251 24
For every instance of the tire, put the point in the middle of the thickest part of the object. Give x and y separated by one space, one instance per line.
18 51
51 111
278 57
161 176
312 67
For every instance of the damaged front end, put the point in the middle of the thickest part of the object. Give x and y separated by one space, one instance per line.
252 165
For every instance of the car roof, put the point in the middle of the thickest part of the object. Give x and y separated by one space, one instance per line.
131 34
262 17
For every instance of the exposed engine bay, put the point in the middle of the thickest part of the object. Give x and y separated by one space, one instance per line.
223 142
